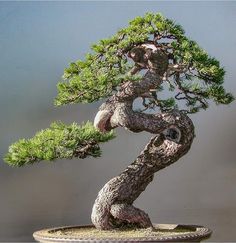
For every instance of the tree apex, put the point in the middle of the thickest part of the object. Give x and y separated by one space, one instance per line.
193 76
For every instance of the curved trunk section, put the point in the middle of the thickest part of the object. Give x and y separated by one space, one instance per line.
113 206
174 135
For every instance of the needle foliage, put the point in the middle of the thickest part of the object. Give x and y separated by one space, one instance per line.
107 66
60 141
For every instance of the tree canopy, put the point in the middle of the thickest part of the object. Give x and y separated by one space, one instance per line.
198 78
192 78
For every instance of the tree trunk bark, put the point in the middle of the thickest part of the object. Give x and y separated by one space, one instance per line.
174 135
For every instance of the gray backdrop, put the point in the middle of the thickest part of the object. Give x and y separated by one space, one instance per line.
39 39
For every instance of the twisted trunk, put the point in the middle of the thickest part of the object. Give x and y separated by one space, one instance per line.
174 135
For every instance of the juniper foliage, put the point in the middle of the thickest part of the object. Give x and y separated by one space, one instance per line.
103 70
58 141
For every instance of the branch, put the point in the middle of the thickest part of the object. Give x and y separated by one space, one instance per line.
135 69
58 142
132 90
186 92
119 108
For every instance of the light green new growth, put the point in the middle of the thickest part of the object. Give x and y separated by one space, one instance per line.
58 142
102 71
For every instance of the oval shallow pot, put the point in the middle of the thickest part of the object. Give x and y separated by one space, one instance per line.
88 233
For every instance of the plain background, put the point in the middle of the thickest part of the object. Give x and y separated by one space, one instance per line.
37 41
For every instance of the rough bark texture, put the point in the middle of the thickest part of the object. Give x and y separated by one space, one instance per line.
174 133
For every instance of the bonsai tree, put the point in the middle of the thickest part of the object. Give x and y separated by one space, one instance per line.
152 54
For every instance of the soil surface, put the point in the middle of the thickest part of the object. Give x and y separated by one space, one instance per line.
92 232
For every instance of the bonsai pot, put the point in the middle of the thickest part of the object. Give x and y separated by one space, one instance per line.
88 233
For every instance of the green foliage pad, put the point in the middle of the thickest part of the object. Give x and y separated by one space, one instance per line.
107 66
58 142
